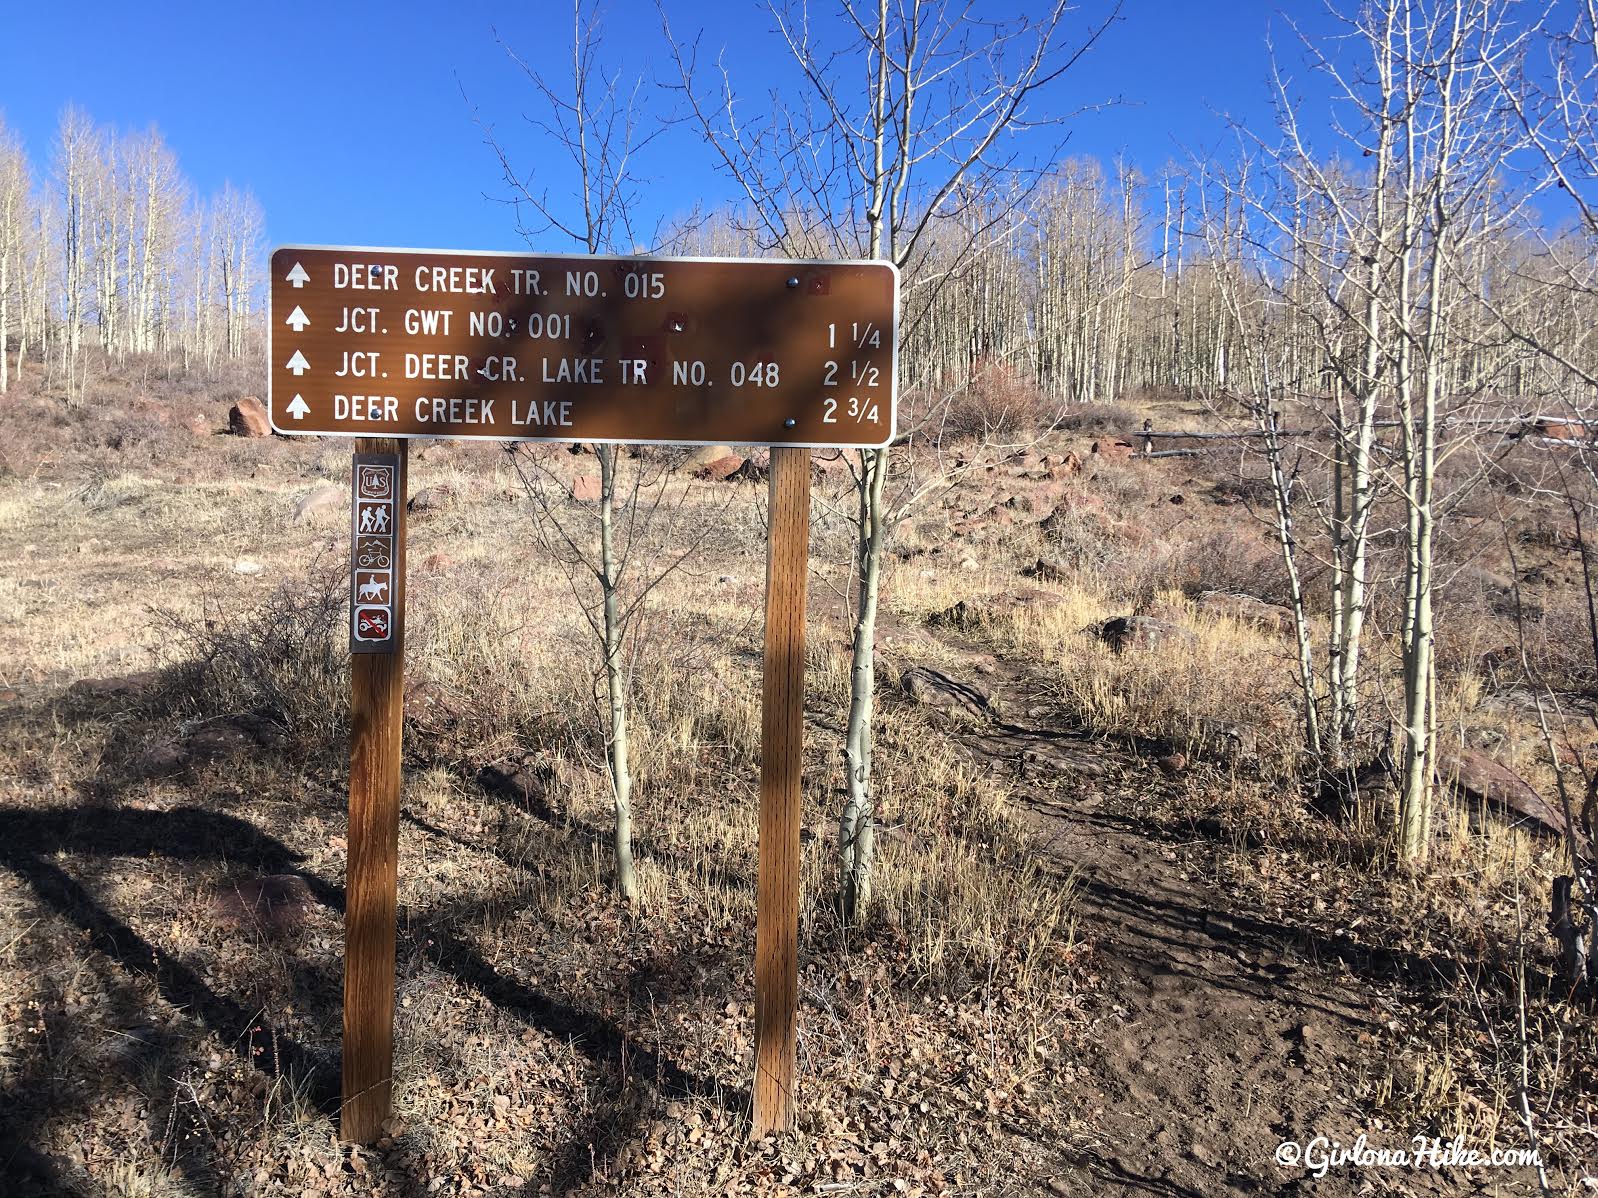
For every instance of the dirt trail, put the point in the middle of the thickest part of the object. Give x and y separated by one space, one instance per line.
1219 1031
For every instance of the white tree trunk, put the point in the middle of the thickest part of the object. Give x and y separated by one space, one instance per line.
617 755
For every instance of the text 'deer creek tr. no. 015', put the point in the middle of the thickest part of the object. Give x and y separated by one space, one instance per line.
420 343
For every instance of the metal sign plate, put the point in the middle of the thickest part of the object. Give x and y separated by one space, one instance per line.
375 497
439 343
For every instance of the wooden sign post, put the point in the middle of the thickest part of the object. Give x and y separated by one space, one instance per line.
782 725
377 708
391 344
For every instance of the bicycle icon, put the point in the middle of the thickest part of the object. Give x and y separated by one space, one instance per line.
373 552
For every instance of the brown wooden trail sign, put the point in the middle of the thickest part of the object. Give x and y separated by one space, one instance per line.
389 345
708 351
371 884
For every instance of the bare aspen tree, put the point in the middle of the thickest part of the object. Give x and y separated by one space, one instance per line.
116 251
36 290
236 240
78 158
201 285
15 189
1323 246
907 109
1259 318
154 197
595 121
1547 298
1451 146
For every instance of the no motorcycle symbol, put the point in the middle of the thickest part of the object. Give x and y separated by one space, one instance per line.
371 623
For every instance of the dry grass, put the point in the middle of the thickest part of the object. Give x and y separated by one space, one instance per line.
546 1033
549 1036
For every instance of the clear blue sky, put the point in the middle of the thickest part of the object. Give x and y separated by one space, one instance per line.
349 123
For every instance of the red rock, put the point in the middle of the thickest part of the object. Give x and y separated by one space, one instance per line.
437 563
1141 632
933 688
715 462
1045 570
125 687
274 904
247 418
1476 776
1245 609
426 704
1112 451
431 499
324 498
1564 430
586 488
1062 465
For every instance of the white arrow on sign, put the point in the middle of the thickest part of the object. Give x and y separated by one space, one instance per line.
298 364
298 319
298 277
298 407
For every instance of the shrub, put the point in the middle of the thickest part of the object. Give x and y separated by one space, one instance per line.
997 403
285 660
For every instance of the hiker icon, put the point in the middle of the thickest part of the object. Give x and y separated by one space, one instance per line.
373 518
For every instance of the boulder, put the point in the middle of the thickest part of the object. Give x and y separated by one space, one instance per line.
1246 609
714 462
1564 430
275 904
586 488
1047 570
247 418
1140 632
437 563
128 686
756 467
1061 465
528 785
321 499
159 758
431 499
932 688
1112 451
1476 777
426 704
